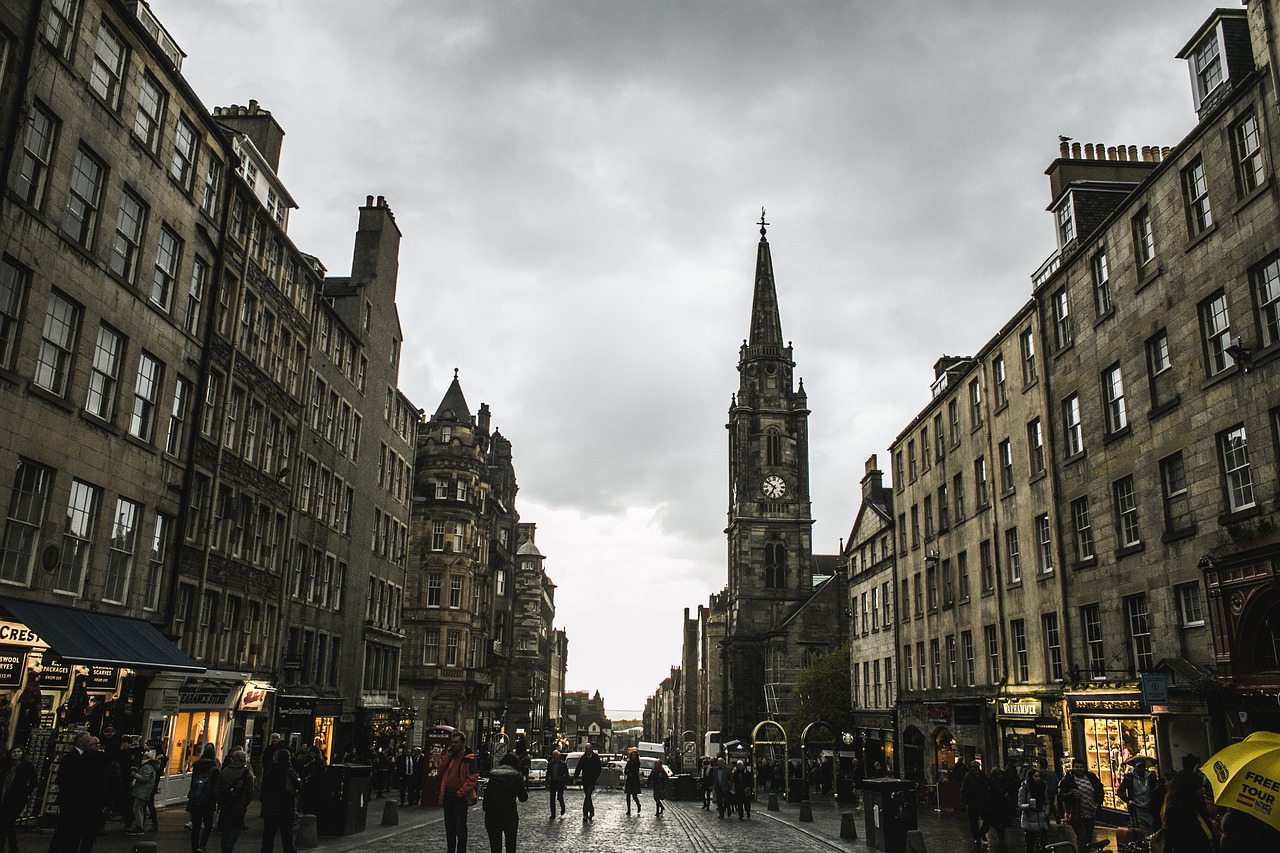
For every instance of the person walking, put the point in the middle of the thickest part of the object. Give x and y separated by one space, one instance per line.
1051 779
1079 798
17 781
404 767
557 780
143 786
631 780
973 794
588 769
740 786
720 786
501 814
1186 827
458 780
704 779
202 802
998 808
382 766
1033 804
280 785
658 780
82 782
234 791
1141 792
275 743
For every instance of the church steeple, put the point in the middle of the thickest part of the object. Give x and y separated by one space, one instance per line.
766 324
454 405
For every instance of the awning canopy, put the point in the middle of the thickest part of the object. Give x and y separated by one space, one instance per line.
85 637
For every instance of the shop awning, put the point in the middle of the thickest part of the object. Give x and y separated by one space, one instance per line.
81 636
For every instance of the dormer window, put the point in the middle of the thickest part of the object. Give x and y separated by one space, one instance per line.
1206 66
1219 53
1066 222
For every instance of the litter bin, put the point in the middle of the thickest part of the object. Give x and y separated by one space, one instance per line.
684 787
344 807
890 809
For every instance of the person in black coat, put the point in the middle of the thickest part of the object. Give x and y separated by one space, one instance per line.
409 776
631 780
82 786
202 802
557 780
501 815
588 769
17 781
280 784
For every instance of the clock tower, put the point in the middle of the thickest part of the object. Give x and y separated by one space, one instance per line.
770 551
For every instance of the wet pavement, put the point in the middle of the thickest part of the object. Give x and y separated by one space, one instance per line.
685 826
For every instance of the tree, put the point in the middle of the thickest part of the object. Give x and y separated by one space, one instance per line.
822 692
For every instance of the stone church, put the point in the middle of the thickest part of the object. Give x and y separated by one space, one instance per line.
784 603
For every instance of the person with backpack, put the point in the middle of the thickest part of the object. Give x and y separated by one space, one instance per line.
501 815
234 791
143 787
458 781
201 802
280 784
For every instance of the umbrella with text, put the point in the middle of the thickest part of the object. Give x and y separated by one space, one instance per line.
1246 776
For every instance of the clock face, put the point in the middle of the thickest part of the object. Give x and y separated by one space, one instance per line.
773 486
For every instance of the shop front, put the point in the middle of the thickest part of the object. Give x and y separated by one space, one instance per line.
1029 731
198 710
874 743
1109 730
311 720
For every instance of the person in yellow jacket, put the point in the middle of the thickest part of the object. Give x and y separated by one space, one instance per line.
458 781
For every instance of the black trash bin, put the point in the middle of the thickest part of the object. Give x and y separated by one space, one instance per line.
344 806
684 787
890 809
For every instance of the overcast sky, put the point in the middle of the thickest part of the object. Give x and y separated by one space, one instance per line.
577 182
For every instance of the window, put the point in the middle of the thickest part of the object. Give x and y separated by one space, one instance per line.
168 251
906 667
1266 283
1113 399
183 167
980 482
1082 529
935 660
997 372
1101 283
37 152
928 516
953 414
1006 466
1233 450
155 564
60 26
100 399
1173 484
1021 660
944 510
1027 345
1190 610
195 295
992 642
431 648
1052 646
918 595
957 490
915 526
940 443
1065 221
1044 539
27 502
1072 427
83 198
921 665
975 403
924 448
129 221
951 660
911 459
948 584
1035 447
1126 503
1062 333
57 342
1011 555
14 281
437 536
235 405
1159 367
1091 617
1195 192
1215 324
1206 67
124 533
451 642
1139 625
459 530
1144 243
1247 147
212 186
151 101
109 58
434 583
77 538
985 556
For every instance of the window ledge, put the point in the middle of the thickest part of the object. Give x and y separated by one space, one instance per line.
1038 476
1085 564
1008 493
1197 239
1000 408
1123 432
1238 516
1027 386
100 423
1105 316
1221 376
1148 273
1014 584
1076 457
1162 409
1128 550
49 397
1178 533
1254 194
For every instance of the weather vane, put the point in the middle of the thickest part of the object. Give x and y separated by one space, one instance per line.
762 223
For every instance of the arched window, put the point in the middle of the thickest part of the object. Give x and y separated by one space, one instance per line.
775 565
773 447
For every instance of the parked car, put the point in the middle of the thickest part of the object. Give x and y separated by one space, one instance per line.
537 773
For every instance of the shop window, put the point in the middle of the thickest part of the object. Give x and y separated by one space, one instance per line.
1109 745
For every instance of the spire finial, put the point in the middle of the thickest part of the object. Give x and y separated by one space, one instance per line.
455 374
762 223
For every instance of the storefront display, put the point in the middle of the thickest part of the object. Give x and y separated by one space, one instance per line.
1027 735
1109 730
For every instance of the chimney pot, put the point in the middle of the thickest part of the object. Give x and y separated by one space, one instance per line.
1064 149
382 201
1164 152
1088 150
368 201
1075 150
1133 153
1111 153
1123 152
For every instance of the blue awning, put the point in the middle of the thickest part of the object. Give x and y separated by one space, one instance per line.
85 637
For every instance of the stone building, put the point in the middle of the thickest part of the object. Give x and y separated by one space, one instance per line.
555 688
778 617
528 685
585 720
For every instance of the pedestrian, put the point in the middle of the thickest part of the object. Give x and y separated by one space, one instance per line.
557 780
382 766
17 781
1051 781
405 768
280 786
275 743
162 761
501 815
143 785
352 756
1140 791
1033 803
973 793
415 776
764 775
704 779
1186 827
741 789
588 769
998 809
826 773
1079 798
202 802
82 780
234 790
458 780
631 780
658 781
1244 833
721 785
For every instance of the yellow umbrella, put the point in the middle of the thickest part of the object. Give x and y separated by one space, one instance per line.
1246 776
